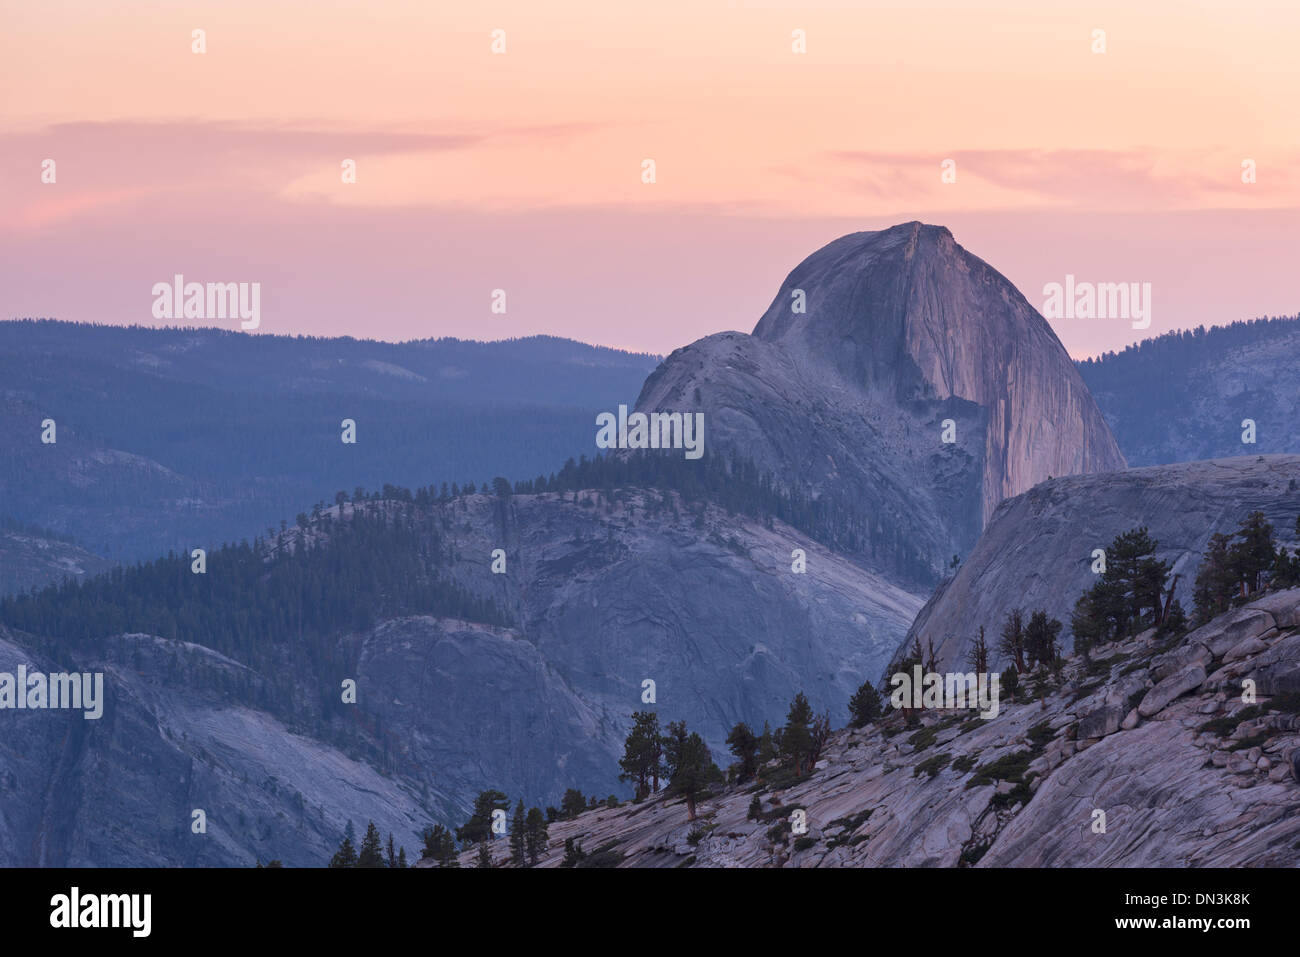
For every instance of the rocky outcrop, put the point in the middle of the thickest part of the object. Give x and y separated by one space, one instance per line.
900 330
611 590
29 560
1204 780
1037 551
606 590
121 790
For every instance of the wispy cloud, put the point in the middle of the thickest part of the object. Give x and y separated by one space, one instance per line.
1081 179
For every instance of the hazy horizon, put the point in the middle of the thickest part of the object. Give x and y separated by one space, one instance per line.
522 170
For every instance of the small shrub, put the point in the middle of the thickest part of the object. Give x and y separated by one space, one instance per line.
1009 767
922 739
1040 734
604 856
1222 727
964 764
932 766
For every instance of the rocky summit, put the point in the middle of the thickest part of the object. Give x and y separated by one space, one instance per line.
896 370
1145 754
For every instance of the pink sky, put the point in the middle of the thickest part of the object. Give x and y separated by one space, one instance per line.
522 171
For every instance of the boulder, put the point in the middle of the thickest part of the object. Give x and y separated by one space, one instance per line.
1277 671
1189 679
1189 653
1245 648
1239 763
1225 632
1283 606
1103 714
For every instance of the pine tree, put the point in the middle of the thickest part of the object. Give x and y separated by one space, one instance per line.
346 855
673 743
1011 644
517 836
796 736
1131 564
1215 580
865 706
484 858
1132 584
372 851
1286 569
535 835
767 749
642 760
1175 622
1040 639
479 826
572 804
978 657
744 745
391 851
1253 555
691 767
573 854
439 845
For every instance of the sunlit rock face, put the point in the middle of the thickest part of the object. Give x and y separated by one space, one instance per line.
871 344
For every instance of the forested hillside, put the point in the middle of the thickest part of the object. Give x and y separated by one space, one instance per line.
1184 396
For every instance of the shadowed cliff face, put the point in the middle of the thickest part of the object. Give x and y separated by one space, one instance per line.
1037 551
900 330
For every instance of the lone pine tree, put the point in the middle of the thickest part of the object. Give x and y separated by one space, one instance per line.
743 743
372 851
517 852
693 772
535 834
864 706
642 760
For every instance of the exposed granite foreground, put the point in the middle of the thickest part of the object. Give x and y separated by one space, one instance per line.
1128 742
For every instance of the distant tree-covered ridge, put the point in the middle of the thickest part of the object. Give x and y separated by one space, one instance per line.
1183 348
167 436
10 524
1202 393
368 564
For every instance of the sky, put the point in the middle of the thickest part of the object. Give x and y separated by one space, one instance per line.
502 146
